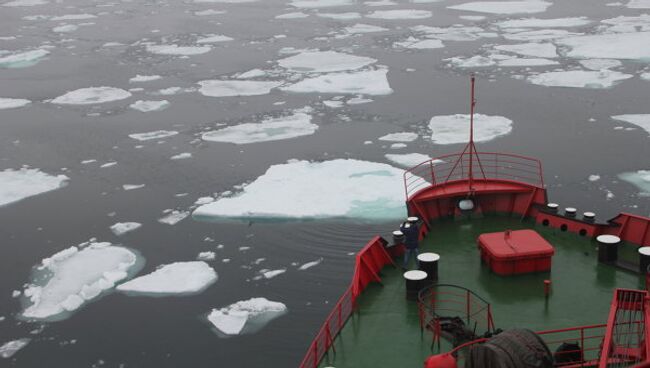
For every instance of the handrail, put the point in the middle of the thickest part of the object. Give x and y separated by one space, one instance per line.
456 166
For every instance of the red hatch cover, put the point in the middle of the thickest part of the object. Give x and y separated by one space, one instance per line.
514 252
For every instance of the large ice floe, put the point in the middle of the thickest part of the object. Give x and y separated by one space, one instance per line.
400 14
92 95
455 32
245 317
9 349
638 4
609 46
640 179
12 103
25 3
579 78
452 129
399 137
177 50
20 184
179 278
22 59
232 88
542 50
368 82
363 28
343 188
270 129
72 277
324 61
407 159
504 7
158 134
640 120
544 23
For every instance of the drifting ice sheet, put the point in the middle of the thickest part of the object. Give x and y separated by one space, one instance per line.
158 134
10 348
174 217
144 78
640 120
246 316
231 88
579 79
214 39
542 50
274 129
400 14
122 228
172 279
74 277
324 61
92 95
407 159
364 28
22 59
369 82
544 23
504 7
640 178
451 129
178 50
609 46
302 189
20 184
399 137
12 103
148 106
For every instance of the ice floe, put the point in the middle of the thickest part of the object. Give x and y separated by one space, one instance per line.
16 185
158 134
9 349
206 256
73 17
178 50
639 178
363 28
369 82
148 106
400 14
579 78
302 189
214 39
231 88
455 32
414 43
65 28
272 129
308 265
539 35
122 228
144 78
504 7
22 59
174 217
638 4
600 64
179 278
476 61
544 23
640 120
451 129
69 279
324 61
293 15
542 50
207 12
407 159
92 95
315 4
608 46
12 103
132 186
25 3
340 16
399 137
246 316
181 156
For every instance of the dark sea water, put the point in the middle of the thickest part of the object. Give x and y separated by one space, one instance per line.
550 123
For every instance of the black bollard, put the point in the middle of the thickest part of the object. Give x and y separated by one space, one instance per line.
429 264
415 281
608 248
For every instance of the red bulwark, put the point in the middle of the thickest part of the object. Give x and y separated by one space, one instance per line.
515 252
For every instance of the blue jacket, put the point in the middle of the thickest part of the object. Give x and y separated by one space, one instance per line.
411 235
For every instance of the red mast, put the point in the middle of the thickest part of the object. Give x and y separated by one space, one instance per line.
470 145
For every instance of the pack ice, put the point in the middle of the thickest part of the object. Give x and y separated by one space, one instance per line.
177 50
324 61
172 279
369 82
579 78
74 276
301 189
16 185
504 7
231 88
91 95
452 129
246 316
271 129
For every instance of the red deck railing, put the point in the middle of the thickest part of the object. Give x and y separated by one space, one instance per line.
485 165
369 261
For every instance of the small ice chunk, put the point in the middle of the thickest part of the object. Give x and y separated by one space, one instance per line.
309 265
214 39
363 28
414 43
476 61
16 185
640 120
358 101
174 217
231 88
269 274
108 164
453 129
579 79
400 14
22 59
122 228
333 104
132 186
158 134
296 125
504 7
399 137
645 76
144 78
340 16
370 82
246 316
593 177
12 103
522 62
473 18
92 95
65 28
324 61
202 13
398 146
181 156
204 200
206 256
178 50
73 17
148 106
8 349
172 279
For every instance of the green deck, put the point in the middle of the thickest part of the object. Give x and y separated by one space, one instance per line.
385 332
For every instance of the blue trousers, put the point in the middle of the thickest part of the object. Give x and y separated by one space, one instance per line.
407 256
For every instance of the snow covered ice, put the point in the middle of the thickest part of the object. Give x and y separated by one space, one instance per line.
122 228
231 88
301 189
22 59
74 276
399 137
92 95
324 61
144 78
177 50
214 39
315 4
173 217
640 120
9 349
369 82
148 106
16 185
12 103
408 160
453 129
640 179
271 129
544 23
609 46
172 279
579 79
504 7
246 316
400 14
542 50
158 134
